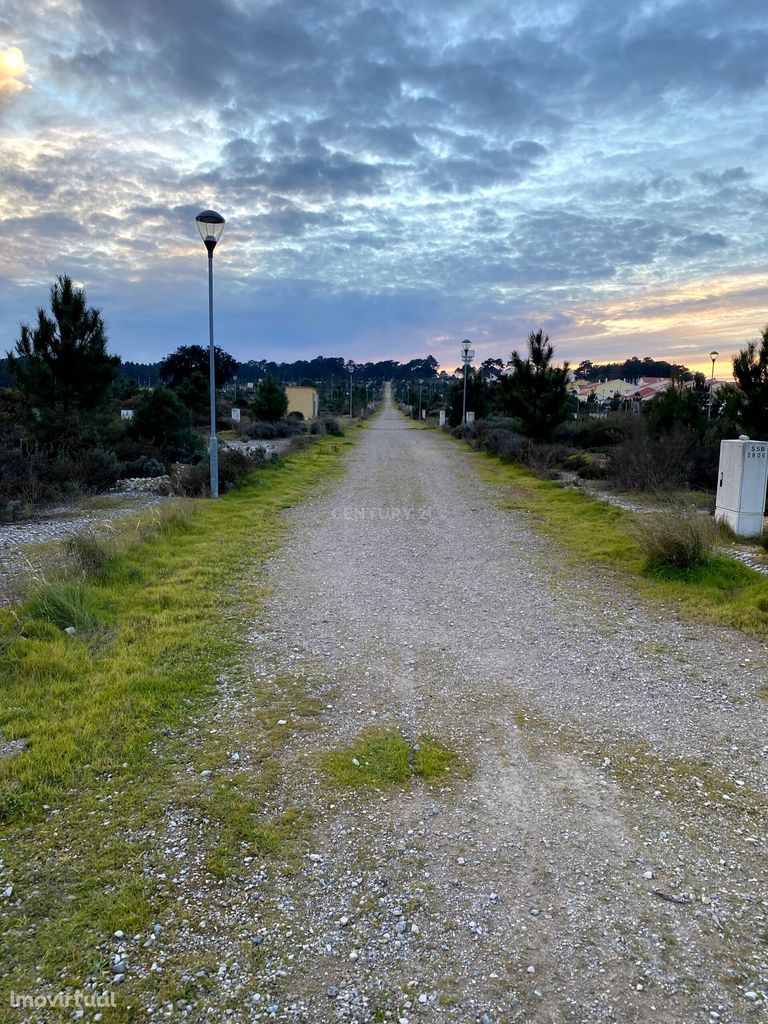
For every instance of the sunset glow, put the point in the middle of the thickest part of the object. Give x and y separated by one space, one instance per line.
393 178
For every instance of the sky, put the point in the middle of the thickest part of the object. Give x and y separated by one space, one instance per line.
395 176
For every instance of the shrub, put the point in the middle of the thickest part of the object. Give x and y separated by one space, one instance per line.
646 463
235 465
507 445
142 467
332 426
261 430
675 539
594 434
464 431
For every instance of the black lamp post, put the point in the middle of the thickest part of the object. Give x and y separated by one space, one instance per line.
713 356
210 225
467 355
350 370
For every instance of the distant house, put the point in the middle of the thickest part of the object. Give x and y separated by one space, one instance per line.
603 391
305 401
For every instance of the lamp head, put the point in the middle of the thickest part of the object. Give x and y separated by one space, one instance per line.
210 225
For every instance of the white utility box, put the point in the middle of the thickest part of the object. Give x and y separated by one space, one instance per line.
741 484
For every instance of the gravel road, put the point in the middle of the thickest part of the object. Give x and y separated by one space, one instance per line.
598 851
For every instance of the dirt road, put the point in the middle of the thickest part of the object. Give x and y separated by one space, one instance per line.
596 851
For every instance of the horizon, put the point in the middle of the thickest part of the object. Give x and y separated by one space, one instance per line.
394 178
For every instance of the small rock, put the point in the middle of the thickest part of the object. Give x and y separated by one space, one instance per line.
70 630
332 992
531 970
751 996
460 860
234 757
648 875
119 935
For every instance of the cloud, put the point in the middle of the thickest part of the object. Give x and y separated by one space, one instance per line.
12 71
423 166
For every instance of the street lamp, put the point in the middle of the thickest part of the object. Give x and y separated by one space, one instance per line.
421 385
350 370
210 225
467 355
713 356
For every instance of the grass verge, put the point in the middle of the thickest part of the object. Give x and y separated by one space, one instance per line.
103 713
721 589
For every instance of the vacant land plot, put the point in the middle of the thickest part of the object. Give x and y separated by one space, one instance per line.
447 775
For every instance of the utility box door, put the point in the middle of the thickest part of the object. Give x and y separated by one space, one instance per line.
729 475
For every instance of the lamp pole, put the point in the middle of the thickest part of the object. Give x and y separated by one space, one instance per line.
466 357
713 356
351 370
210 225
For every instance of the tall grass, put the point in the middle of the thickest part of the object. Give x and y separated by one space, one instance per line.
675 538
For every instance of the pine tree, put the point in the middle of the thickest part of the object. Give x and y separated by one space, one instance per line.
536 392
62 366
750 369
271 401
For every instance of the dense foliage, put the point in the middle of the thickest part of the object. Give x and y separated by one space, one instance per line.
536 392
271 401
62 368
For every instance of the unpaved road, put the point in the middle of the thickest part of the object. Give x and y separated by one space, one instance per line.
596 854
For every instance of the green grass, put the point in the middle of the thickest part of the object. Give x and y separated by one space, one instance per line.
104 721
721 590
383 757
64 605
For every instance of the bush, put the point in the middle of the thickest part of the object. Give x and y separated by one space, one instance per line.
261 430
332 426
464 431
142 467
675 539
594 434
545 459
586 466
646 463
507 445
235 465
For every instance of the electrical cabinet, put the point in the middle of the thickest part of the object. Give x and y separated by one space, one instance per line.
741 485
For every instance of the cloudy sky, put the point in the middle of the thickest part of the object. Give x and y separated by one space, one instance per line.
395 176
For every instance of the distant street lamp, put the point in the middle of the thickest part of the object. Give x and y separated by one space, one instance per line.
210 225
467 355
350 370
713 356
421 385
